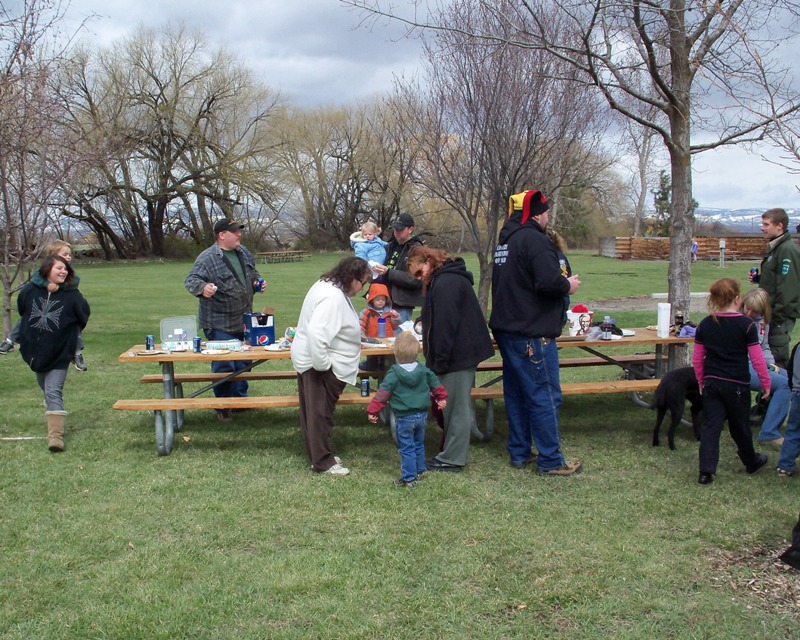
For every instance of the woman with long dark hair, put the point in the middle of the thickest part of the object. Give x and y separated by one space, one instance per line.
325 354
50 325
455 339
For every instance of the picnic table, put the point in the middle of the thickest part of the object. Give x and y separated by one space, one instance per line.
170 406
292 255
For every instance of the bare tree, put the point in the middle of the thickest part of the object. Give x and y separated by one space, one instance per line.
492 119
344 166
177 131
641 144
704 60
36 152
390 161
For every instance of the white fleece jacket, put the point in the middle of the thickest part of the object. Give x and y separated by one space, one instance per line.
328 334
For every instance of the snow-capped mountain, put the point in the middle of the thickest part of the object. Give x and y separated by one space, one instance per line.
741 220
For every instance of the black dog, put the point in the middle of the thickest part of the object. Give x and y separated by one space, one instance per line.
675 388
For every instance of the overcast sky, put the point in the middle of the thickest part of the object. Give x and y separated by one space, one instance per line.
314 53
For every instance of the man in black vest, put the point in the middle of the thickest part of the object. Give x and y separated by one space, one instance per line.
404 289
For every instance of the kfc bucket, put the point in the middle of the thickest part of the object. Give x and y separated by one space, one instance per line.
579 319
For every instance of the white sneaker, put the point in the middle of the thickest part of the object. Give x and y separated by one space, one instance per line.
336 459
337 470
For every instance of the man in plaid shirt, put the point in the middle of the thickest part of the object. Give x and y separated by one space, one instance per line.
224 278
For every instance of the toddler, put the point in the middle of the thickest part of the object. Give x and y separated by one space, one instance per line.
379 306
368 245
407 388
755 305
723 342
787 462
63 250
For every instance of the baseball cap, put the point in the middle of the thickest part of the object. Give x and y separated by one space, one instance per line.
227 225
403 221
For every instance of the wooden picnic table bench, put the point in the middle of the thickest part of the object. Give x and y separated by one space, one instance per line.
633 387
291 374
284 374
290 255
169 408
589 361
486 394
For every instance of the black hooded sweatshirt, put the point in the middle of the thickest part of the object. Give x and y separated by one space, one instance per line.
528 287
50 325
455 336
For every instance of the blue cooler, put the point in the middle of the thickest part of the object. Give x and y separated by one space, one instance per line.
259 329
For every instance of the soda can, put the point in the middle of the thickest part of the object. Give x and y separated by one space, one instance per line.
260 285
754 274
365 387
198 344
150 343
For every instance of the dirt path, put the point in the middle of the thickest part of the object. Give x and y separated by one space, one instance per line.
697 305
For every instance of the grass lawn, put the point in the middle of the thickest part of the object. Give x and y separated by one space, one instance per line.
231 536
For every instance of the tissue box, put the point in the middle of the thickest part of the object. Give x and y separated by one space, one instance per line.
259 328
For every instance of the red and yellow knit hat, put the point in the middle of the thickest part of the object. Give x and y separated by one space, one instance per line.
531 203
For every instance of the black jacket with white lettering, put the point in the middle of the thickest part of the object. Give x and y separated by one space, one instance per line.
528 287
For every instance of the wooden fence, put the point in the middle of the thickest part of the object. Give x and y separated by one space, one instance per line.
736 248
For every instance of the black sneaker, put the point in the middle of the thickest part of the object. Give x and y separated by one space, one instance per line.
408 484
434 464
6 346
705 478
79 362
758 463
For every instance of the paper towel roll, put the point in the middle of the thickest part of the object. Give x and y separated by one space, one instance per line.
664 316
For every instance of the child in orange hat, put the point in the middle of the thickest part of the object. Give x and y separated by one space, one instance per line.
377 314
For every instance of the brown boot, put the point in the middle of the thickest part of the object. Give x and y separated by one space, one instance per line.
55 430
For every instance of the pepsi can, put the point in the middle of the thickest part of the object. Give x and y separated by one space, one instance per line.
198 344
365 387
150 343
754 275
261 285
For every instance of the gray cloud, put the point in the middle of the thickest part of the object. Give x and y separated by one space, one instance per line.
315 53
312 51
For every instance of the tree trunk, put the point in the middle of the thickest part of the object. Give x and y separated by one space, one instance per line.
679 145
7 311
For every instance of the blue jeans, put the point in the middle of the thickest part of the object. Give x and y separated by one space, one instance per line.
532 394
52 383
237 388
780 396
405 314
791 440
410 431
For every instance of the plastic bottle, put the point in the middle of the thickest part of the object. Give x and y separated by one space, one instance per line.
605 328
381 327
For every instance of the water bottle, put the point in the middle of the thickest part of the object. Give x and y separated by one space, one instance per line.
381 327
605 328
